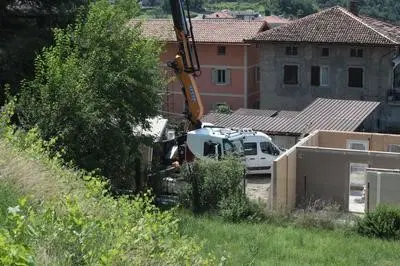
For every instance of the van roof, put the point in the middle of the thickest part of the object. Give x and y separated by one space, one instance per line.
215 132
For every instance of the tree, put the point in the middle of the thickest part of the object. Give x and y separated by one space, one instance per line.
100 79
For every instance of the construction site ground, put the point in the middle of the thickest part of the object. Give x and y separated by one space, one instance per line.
257 187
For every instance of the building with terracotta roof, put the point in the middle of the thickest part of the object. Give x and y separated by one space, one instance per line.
336 53
274 21
228 64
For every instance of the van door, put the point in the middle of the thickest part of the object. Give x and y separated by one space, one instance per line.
251 154
269 152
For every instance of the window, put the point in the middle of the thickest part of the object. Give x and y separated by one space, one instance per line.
315 75
356 77
324 76
290 75
325 52
354 144
291 50
257 74
356 52
319 75
269 148
396 77
221 76
250 148
209 149
394 148
221 50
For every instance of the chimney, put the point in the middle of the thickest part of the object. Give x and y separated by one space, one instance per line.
353 6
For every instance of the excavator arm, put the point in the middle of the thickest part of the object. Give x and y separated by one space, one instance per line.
186 64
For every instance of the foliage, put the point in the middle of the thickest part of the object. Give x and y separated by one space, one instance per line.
13 247
317 214
211 181
92 87
282 244
194 5
82 225
237 207
223 109
383 222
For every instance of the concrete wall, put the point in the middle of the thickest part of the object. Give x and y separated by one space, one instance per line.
284 175
376 62
338 139
323 173
318 167
383 187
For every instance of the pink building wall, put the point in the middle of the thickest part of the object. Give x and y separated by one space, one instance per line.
242 91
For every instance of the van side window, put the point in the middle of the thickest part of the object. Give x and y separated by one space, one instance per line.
209 149
250 148
268 148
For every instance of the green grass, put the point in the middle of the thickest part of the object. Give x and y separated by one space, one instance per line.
264 244
8 198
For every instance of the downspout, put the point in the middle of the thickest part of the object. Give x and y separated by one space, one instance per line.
245 77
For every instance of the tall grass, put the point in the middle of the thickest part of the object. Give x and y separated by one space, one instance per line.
266 244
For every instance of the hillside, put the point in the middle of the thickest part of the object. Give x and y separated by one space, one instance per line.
383 9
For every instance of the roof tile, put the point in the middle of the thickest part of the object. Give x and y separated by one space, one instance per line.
334 25
208 30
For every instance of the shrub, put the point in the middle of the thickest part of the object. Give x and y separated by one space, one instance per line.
237 207
211 181
317 214
383 222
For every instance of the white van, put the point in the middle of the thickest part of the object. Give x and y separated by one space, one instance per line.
259 151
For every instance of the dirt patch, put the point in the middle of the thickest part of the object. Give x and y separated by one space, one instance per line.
257 187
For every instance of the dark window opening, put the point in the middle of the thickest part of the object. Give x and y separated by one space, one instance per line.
221 78
355 77
268 148
250 148
325 51
290 75
396 77
315 75
291 50
209 149
221 50
356 52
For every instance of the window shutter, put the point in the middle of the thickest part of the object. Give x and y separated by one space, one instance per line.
214 74
315 76
324 76
228 76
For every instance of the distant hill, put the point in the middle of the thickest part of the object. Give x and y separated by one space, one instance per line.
382 9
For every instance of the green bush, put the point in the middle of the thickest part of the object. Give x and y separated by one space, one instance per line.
72 220
383 222
237 207
211 181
